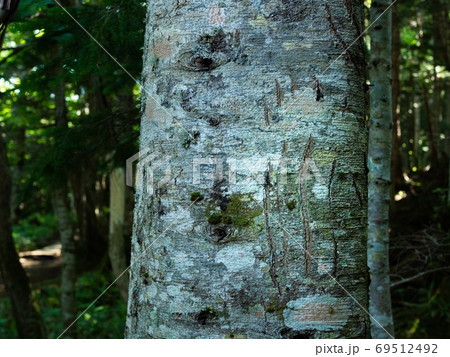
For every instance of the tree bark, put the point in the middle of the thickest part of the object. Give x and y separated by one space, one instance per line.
379 159
213 255
396 163
28 320
116 246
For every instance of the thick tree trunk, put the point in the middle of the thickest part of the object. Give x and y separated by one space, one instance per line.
116 246
28 320
217 252
61 209
379 159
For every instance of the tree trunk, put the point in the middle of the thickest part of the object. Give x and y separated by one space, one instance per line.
430 130
116 246
17 172
417 154
447 136
68 266
61 209
28 320
218 252
379 159
396 166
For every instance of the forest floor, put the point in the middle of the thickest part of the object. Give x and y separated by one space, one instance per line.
40 265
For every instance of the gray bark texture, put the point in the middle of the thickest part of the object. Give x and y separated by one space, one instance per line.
379 162
220 253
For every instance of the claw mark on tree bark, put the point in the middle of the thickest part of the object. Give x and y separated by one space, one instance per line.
340 39
358 194
284 150
349 5
267 113
335 252
333 168
335 256
279 93
344 106
318 89
285 238
307 234
293 84
273 258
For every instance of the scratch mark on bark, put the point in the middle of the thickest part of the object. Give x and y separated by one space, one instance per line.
306 220
318 89
335 256
279 93
267 113
358 194
285 238
293 84
283 153
340 39
349 5
270 240
330 202
333 168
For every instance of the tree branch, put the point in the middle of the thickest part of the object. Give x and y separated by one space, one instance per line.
399 282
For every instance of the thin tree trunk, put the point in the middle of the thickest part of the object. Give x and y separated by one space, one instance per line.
268 257
379 160
417 154
116 247
396 164
68 267
430 130
28 320
447 136
17 172
61 209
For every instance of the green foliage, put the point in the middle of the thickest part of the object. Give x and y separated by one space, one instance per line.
424 311
106 319
35 231
7 324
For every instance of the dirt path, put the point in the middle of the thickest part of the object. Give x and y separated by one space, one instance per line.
40 265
